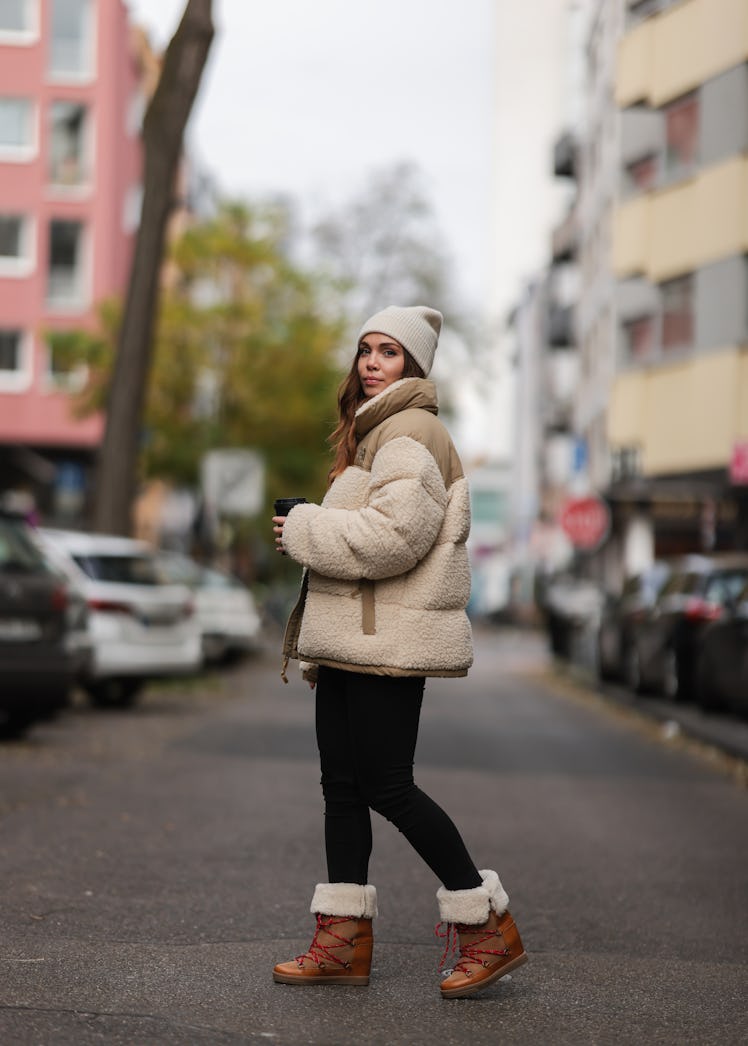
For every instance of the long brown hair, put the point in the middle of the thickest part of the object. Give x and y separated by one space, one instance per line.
350 398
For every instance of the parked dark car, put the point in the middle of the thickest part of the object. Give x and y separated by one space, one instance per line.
664 651
621 613
37 664
722 670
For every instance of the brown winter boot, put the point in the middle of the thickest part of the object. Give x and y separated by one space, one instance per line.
489 942
340 952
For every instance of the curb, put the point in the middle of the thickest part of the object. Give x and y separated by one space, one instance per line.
722 732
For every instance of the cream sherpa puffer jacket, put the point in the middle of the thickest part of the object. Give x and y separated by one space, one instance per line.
388 577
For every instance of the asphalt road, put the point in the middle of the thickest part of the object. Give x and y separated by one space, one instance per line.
157 862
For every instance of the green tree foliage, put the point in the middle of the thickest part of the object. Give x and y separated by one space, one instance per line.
245 356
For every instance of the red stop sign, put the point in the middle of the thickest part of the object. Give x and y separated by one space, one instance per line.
739 462
586 522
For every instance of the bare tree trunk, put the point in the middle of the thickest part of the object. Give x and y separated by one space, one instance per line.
163 132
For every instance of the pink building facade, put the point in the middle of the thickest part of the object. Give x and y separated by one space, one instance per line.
71 107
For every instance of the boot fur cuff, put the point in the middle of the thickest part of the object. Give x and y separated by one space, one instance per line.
351 899
472 906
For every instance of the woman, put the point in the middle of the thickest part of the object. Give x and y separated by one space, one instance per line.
382 607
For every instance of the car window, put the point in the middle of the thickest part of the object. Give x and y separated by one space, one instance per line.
672 586
722 588
177 571
655 579
681 584
18 553
631 586
128 570
212 579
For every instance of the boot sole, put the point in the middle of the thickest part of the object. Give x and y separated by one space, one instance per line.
469 989
354 981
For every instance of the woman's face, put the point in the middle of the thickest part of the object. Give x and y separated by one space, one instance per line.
381 360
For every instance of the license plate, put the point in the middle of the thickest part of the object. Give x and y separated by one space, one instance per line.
16 630
156 619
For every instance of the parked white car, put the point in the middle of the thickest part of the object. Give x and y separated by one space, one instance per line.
140 628
225 608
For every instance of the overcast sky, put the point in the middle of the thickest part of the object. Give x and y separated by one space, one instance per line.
306 98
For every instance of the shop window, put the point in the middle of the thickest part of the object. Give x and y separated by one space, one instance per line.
71 39
677 313
65 275
640 337
681 136
68 146
15 245
16 128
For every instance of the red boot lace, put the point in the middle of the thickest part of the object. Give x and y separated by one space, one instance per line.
319 953
468 952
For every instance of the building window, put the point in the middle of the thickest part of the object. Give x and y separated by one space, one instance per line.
681 136
19 22
639 10
10 350
16 249
65 276
71 39
640 338
68 145
15 372
642 175
64 371
16 129
677 314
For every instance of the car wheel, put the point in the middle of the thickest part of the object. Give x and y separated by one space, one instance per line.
16 722
708 695
605 673
633 669
214 650
55 701
114 692
673 687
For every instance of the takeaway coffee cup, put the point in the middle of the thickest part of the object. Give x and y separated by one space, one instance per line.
282 506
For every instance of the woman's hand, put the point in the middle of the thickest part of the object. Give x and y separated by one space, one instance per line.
278 531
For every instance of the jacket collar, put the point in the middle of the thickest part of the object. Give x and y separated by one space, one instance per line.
401 395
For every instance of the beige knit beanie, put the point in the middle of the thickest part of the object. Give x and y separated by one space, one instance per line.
416 327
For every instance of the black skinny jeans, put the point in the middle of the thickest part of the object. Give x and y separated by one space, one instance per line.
367 727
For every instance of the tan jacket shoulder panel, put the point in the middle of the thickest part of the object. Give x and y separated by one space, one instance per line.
419 425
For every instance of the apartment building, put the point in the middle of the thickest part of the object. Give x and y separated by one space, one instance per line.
550 463
678 417
74 78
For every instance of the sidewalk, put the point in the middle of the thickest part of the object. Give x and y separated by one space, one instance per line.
720 730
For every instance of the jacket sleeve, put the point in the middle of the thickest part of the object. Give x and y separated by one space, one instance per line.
405 506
